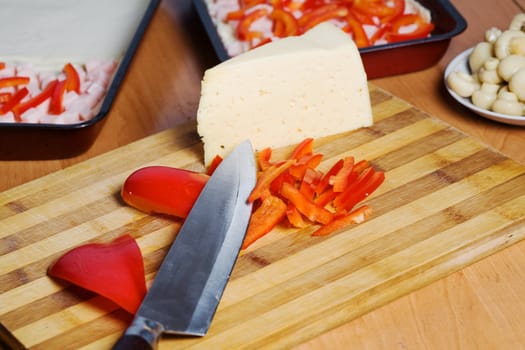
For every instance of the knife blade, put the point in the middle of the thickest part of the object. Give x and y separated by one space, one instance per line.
189 284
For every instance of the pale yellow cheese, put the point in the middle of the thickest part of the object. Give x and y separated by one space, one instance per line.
312 85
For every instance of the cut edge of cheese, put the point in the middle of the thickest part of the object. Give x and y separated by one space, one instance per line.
278 94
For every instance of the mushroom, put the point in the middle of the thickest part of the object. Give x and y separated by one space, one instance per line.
462 83
517 84
481 52
510 65
488 73
486 95
502 46
507 103
492 34
518 22
517 46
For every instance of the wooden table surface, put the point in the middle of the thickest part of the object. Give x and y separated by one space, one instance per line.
479 307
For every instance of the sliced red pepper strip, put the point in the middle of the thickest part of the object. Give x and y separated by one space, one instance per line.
270 213
323 16
310 180
14 100
35 100
362 191
214 164
56 105
380 33
114 270
340 180
305 206
72 79
5 96
2 65
361 166
363 18
325 198
163 190
263 158
13 81
422 29
265 179
295 218
358 33
355 217
236 15
288 24
324 183
244 31
306 162
399 9
377 8
302 149
341 199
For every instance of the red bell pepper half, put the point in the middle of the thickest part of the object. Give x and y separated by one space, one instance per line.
113 270
163 190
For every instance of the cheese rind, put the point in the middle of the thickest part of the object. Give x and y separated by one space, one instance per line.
312 85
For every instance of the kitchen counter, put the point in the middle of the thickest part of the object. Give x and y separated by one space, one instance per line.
478 307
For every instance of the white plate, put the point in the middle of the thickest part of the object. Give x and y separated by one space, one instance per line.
460 64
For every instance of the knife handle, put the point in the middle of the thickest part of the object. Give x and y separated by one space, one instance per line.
142 334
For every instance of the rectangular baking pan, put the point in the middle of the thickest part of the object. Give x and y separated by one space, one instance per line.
383 60
27 141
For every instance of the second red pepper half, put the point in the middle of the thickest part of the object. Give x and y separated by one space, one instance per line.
114 270
163 190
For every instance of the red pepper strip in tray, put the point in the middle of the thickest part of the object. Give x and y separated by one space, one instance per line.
56 105
114 270
244 31
14 100
5 96
13 81
422 28
163 190
72 78
35 100
358 33
322 14
285 23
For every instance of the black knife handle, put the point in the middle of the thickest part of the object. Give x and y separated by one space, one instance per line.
127 342
142 334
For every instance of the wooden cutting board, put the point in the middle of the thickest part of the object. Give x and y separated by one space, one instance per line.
447 201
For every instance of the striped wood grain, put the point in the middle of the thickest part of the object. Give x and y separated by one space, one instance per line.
447 202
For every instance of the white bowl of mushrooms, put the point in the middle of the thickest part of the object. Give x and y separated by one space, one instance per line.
489 78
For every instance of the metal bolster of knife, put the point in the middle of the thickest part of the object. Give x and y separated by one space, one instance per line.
147 329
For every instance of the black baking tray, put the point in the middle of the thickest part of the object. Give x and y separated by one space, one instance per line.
28 141
383 60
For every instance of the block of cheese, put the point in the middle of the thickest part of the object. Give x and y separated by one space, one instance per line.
278 94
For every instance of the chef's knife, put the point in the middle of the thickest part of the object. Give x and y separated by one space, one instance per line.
186 291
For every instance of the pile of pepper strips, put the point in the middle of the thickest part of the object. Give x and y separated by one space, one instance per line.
291 191
292 17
